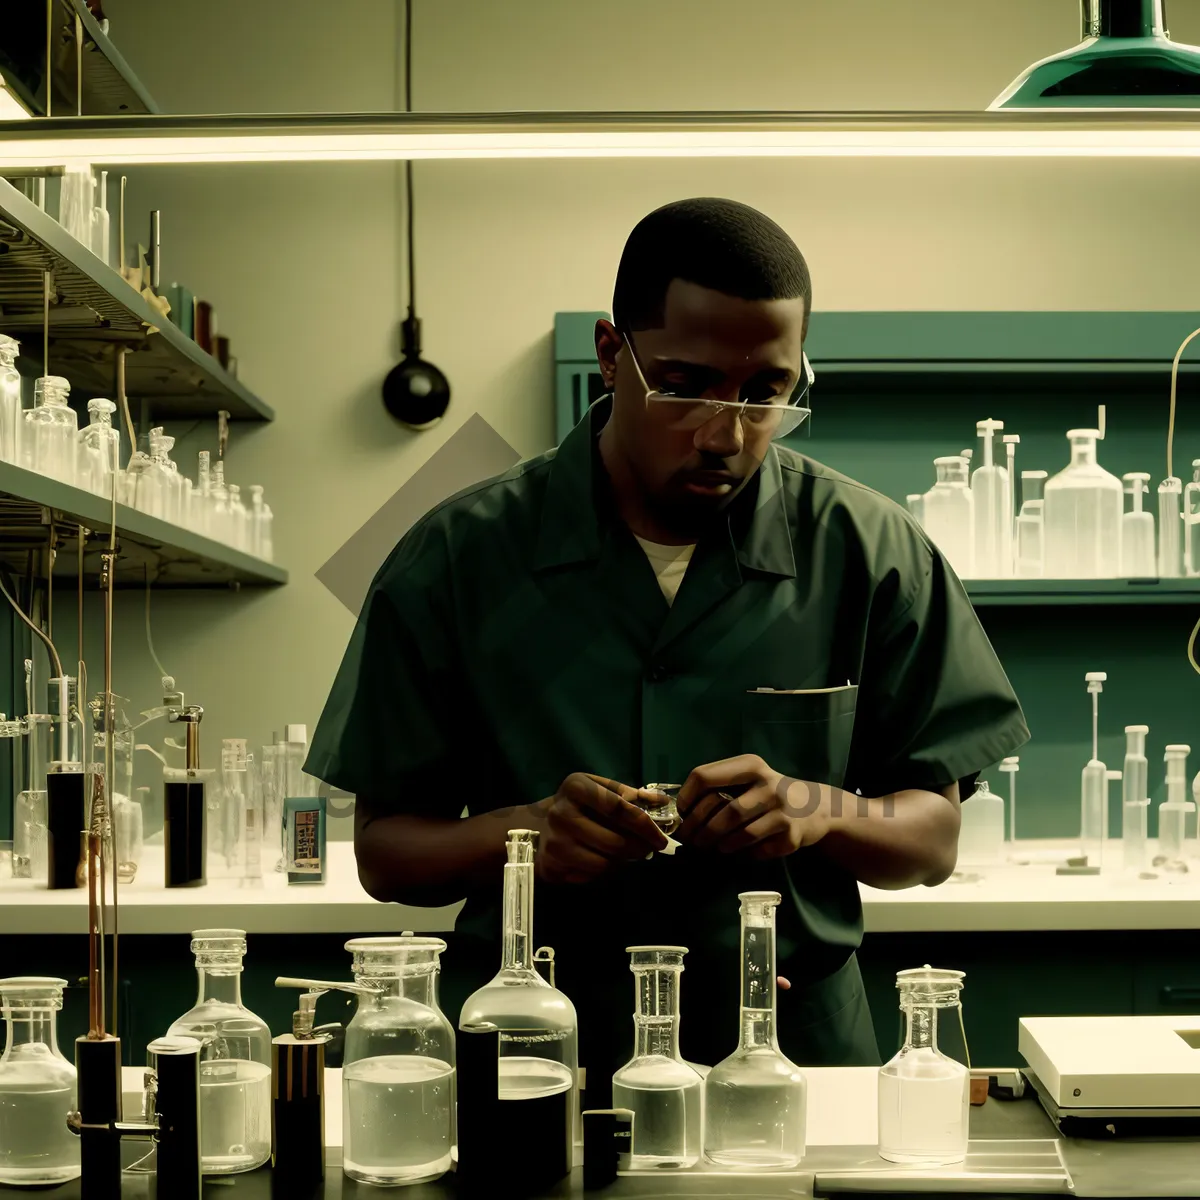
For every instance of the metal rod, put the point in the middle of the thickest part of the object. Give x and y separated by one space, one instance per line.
110 565
95 947
123 401
49 58
78 65
45 324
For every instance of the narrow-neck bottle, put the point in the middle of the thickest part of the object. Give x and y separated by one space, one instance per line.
663 1092
755 1099
10 401
53 428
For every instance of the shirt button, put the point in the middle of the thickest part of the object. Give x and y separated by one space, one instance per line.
658 673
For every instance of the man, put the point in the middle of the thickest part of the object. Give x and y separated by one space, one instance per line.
672 596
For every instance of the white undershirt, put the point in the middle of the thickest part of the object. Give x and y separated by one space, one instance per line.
670 564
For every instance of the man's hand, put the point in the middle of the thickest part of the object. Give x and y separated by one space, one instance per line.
592 825
741 804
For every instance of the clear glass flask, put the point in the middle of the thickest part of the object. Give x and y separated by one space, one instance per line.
662 1091
227 808
924 1095
1082 513
1191 522
754 1101
52 430
1139 558
1170 528
517 1053
398 1070
1173 813
1030 529
235 1065
950 514
1135 800
981 835
11 417
991 489
99 449
37 1087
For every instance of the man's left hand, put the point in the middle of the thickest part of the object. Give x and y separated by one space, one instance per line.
741 804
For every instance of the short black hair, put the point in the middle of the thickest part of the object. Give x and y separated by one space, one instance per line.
718 244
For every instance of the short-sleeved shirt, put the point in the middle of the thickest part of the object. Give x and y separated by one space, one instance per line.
517 634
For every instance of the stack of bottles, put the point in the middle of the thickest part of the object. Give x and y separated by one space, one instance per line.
1081 523
47 439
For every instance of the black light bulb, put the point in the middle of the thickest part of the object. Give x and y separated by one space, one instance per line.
415 392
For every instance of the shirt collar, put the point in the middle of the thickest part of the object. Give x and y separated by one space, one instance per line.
570 527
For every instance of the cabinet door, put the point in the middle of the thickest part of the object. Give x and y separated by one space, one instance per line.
1167 977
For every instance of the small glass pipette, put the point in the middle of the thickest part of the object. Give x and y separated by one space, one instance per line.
1173 812
1170 538
1094 806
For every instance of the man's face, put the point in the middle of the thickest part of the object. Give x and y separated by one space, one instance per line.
713 346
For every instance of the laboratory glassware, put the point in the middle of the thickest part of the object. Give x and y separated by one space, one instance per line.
226 845
754 1101
11 417
126 810
665 814
1191 522
66 790
52 430
990 487
1173 812
924 1095
1170 523
238 519
99 448
102 224
218 508
517 1053
1029 526
1138 556
202 497
950 515
915 503
662 1091
1082 511
37 1087
1135 800
1011 442
1093 820
270 775
1010 766
398 1069
235 1064
981 834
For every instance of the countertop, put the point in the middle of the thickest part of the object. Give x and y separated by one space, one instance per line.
1006 897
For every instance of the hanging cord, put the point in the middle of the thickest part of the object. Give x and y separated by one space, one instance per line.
1191 646
408 163
36 629
149 638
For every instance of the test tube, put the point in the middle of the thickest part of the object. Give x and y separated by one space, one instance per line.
1170 548
1135 803
1010 766
1173 812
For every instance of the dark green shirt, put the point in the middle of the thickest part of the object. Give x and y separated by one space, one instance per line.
518 633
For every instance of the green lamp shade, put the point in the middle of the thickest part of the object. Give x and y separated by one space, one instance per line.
1126 61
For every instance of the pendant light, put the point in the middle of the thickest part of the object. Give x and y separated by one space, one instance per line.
1125 60
415 392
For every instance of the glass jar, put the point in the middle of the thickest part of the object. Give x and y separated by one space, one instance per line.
754 1101
235 1065
52 429
1082 510
37 1087
10 401
99 449
924 1094
949 514
517 1056
662 1091
398 1068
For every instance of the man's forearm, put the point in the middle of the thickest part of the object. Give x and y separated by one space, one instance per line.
895 841
431 861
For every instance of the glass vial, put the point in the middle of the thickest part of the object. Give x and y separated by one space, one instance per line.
11 418
398 1070
662 1091
235 1064
52 429
37 1087
754 1100
924 1095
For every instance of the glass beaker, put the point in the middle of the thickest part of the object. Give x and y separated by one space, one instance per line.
924 1095
37 1087
754 1101
10 401
398 1069
662 1091
235 1064
517 1062
52 430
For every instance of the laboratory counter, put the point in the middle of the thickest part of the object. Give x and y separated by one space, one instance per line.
1007 898
1014 1150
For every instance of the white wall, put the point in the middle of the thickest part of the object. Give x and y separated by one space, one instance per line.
302 262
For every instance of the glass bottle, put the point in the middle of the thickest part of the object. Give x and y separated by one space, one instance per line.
255 523
52 429
153 490
37 1087
1191 522
218 508
99 449
1082 512
517 1056
664 1094
924 1095
1170 531
991 489
227 808
11 421
238 519
172 483
754 1101
235 1065
398 1069
1029 529
949 514
202 495
981 835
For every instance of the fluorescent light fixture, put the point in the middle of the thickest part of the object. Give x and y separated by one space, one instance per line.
11 109
50 143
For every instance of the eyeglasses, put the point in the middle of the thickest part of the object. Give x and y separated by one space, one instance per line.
781 418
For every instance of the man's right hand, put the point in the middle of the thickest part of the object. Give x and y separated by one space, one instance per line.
591 826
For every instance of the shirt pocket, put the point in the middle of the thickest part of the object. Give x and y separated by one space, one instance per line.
804 734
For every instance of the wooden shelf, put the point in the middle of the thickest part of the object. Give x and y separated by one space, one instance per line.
92 311
1015 592
30 503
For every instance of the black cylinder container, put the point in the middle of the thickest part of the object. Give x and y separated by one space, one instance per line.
66 821
183 832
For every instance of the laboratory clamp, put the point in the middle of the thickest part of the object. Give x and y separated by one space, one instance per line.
421 1098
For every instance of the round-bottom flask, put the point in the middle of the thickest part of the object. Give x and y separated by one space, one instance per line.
398 1076
924 1095
37 1087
